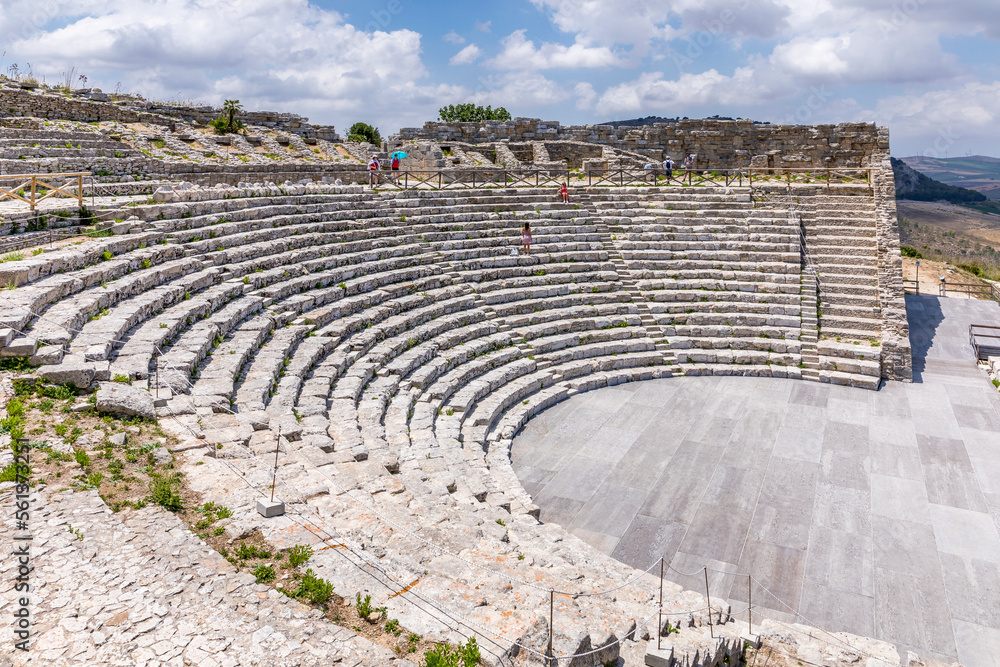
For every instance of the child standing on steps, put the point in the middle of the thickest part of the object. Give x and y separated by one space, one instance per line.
526 239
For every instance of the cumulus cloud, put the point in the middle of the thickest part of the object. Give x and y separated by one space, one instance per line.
454 38
515 90
585 95
941 121
485 26
520 53
467 55
320 65
653 92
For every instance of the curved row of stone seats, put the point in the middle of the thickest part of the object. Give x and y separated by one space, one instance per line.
406 382
409 379
724 292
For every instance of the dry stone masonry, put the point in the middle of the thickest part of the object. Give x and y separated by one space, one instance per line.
398 341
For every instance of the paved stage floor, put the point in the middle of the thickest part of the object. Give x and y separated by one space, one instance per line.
876 513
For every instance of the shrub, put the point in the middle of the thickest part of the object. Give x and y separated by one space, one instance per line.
471 113
909 251
444 655
364 607
313 588
163 492
264 574
227 122
299 554
363 132
81 457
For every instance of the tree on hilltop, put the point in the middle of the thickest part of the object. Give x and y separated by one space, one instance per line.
471 113
363 132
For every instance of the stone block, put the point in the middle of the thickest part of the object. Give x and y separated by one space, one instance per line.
123 399
270 508
72 370
659 657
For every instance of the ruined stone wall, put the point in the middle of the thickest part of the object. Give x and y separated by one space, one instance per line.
717 143
43 104
20 102
897 359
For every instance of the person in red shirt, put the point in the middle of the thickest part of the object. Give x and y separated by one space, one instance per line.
565 193
395 166
373 167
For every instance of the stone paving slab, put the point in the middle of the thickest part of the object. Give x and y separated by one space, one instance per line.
876 513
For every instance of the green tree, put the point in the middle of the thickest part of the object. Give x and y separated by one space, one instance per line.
471 113
227 121
363 132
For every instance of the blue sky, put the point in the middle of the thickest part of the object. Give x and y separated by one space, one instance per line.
928 69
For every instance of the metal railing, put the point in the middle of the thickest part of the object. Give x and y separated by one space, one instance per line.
656 177
984 350
983 290
33 189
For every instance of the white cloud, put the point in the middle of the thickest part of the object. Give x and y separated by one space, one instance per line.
947 120
484 26
519 90
454 38
467 55
653 93
585 95
313 63
520 53
633 22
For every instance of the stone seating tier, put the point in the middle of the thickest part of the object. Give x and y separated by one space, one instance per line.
399 357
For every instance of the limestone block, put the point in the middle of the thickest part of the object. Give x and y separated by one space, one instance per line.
123 399
72 370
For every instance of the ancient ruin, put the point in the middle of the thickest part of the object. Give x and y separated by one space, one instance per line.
385 346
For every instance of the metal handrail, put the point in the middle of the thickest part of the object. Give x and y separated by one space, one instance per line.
989 290
35 180
973 337
408 179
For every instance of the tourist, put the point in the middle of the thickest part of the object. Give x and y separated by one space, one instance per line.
565 192
395 166
668 168
689 162
526 239
373 167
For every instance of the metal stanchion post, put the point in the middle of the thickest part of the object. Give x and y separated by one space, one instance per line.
156 375
708 597
750 604
659 615
277 447
552 604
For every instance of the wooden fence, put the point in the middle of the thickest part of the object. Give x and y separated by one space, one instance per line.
33 189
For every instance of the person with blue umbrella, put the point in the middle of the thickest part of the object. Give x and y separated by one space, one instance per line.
395 158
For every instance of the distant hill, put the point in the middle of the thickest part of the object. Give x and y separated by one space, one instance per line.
977 172
912 184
